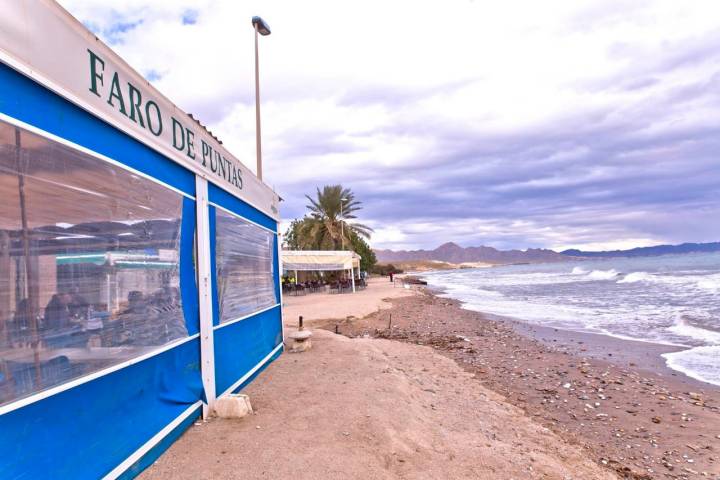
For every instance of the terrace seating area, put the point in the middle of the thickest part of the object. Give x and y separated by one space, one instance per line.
345 286
312 267
316 286
303 288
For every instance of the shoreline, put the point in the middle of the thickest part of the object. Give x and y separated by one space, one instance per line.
646 355
632 413
371 408
620 351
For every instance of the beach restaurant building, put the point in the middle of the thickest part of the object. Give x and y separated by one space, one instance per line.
139 259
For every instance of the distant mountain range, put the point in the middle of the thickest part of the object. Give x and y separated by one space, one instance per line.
649 251
453 253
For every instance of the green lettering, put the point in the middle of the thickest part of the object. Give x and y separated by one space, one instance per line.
229 171
176 144
190 145
221 172
135 102
158 118
116 93
94 75
206 150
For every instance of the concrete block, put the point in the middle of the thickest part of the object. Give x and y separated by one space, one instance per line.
299 341
300 335
293 346
234 405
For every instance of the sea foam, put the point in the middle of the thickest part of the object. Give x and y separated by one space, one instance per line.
636 277
700 363
603 274
710 284
670 300
685 328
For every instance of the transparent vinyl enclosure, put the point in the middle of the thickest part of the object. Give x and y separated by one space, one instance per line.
244 257
89 264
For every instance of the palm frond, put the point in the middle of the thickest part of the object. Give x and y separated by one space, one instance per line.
327 224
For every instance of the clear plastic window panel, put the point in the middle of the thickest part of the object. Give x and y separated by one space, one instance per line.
244 257
89 257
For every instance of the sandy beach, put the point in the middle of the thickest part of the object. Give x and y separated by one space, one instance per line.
318 308
446 393
373 409
615 399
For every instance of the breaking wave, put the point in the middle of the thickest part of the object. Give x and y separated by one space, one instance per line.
636 277
700 363
685 327
670 300
603 274
711 284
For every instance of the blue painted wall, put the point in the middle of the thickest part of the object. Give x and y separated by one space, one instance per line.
86 431
241 345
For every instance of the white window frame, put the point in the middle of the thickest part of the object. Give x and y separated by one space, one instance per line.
49 392
278 300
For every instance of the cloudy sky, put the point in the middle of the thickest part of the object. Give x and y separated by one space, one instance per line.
514 124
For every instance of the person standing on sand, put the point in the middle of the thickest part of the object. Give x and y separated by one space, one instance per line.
391 276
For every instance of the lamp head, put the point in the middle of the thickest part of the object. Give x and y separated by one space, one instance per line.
262 27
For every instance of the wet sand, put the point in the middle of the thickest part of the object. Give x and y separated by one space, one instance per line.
630 353
614 398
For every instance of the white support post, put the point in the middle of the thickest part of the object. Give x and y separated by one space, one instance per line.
204 273
280 274
352 277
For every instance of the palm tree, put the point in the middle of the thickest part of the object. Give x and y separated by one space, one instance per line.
328 221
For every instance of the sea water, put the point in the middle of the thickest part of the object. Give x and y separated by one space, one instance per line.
671 299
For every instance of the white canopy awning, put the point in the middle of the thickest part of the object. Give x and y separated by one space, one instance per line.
320 260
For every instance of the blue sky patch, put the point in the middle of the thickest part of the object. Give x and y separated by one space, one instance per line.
189 17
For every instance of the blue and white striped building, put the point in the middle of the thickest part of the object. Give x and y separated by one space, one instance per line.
139 260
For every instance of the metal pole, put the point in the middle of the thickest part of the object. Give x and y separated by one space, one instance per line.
342 225
258 148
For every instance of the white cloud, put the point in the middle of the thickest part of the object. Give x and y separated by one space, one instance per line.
447 102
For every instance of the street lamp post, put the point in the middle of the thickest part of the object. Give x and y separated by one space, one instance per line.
261 28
